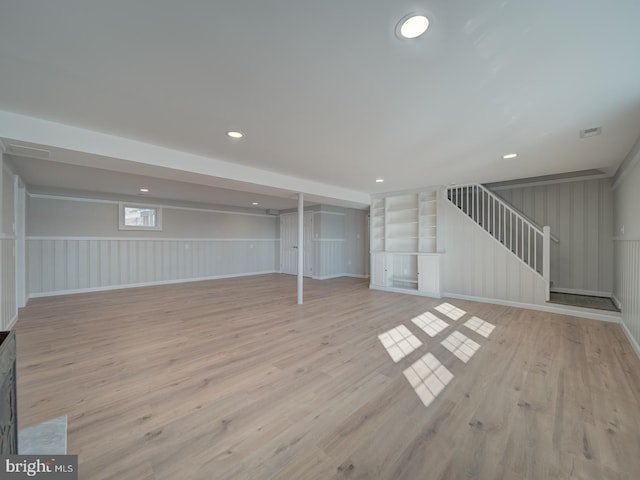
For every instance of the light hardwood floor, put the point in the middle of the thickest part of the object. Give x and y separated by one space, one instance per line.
230 379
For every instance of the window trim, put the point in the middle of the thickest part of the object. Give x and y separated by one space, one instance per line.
122 226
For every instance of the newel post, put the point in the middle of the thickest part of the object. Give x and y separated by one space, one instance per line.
546 258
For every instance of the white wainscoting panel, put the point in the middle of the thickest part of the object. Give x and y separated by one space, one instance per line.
477 265
329 257
8 309
59 265
627 287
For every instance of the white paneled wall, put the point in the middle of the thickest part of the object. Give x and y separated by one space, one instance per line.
59 265
8 309
476 265
330 260
627 285
580 214
8 301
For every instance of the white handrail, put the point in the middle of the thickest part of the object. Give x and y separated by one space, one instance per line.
498 199
509 207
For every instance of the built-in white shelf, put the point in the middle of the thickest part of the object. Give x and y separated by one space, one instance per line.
428 221
377 222
404 230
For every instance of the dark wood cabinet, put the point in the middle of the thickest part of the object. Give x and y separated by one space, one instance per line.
8 397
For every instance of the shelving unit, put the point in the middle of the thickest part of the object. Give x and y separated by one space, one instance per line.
404 243
404 271
402 223
377 219
428 222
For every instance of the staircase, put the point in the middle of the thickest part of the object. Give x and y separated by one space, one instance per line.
521 236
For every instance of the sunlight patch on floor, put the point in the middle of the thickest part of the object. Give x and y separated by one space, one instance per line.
481 327
399 342
430 324
451 311
428 377
461 346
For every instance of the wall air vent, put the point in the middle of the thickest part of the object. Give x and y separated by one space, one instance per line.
31 152
590 132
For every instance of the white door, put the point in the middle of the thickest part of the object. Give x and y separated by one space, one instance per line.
289 243
308 244
379 269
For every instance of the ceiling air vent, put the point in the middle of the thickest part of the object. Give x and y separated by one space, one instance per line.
31 152
590 132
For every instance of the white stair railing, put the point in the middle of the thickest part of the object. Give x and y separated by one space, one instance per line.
522 237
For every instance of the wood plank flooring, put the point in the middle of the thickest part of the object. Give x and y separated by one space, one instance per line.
229 379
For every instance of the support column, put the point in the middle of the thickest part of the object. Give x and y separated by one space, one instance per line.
300 246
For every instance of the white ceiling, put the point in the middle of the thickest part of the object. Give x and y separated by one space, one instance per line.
325 92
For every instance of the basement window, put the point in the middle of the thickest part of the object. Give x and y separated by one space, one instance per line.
139 217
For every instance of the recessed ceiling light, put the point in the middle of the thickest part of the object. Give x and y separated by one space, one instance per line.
254 203
412 26
235 134
379 180
144 190
509 155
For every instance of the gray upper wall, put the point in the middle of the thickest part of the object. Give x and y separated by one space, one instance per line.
329 225
49 216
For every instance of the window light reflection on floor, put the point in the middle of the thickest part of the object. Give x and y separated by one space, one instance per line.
430 324
481 327
428 377
399 342
451 311
461 346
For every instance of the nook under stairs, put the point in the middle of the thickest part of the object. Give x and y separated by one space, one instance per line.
529 242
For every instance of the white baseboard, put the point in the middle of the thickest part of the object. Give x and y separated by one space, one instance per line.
632 341
403 290
617 302
12 322
574 291
328 277
143 284
613 317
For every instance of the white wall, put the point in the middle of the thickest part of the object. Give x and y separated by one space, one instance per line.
329 244
75 245
580 214
63 216
476 265
626 202
356 253
8 300
340 242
